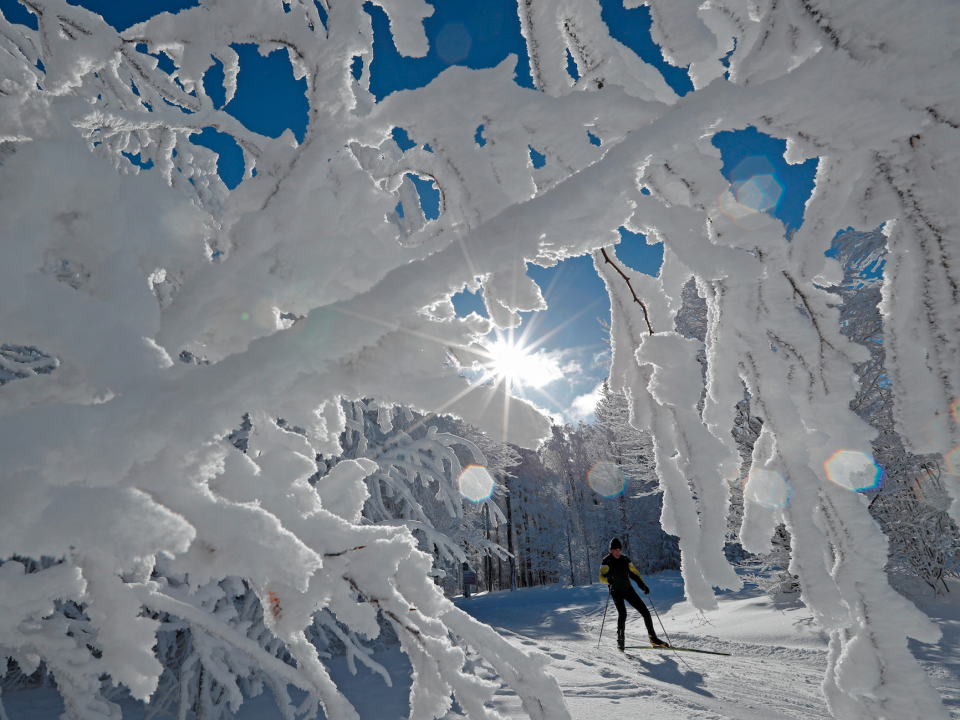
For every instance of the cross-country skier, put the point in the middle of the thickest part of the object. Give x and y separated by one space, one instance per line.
615 572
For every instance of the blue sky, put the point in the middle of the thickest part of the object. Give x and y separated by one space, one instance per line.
481 34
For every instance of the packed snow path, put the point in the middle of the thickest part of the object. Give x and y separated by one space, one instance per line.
777 663
775 669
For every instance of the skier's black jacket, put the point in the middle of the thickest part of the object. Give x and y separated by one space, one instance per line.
616 572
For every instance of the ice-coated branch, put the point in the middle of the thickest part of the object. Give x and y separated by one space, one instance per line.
152 597
303 287
783 340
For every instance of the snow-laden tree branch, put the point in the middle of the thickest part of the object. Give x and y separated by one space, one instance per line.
771 326
303 287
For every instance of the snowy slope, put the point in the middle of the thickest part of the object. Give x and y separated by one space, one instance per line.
777 663
775 671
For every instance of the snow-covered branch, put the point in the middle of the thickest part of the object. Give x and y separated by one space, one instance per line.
303 287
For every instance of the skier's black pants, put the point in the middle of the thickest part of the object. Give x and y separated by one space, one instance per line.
631 597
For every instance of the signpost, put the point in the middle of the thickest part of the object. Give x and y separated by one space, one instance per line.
469 578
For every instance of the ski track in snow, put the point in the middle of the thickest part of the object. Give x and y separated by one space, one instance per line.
778 657
777 662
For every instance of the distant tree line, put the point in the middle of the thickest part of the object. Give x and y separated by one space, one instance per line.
551 511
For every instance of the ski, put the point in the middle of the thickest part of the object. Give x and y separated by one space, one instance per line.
678 649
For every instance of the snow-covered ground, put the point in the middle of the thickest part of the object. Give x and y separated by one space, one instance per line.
777 661
776 665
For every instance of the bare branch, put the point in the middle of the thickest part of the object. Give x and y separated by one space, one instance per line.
646 315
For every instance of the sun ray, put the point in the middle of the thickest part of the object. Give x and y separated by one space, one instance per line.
489 398
547 335
466 256
471 387
506 413
548 396
511 363
395 327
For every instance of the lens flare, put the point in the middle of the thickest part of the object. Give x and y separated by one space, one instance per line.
854 470
751 167
733 481
476 483
607 479
754 190
760 193
953 460
453 42
767 488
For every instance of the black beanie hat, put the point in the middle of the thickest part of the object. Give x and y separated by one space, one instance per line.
615 544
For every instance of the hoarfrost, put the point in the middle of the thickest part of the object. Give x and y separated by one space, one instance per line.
99 255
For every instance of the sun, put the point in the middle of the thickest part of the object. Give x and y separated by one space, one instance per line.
507 360
518 366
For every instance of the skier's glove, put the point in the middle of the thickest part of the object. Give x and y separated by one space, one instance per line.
645 589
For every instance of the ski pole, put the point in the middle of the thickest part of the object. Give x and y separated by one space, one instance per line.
658 619
665 634
604 620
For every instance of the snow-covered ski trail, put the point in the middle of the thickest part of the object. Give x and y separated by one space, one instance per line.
775 671
775 668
